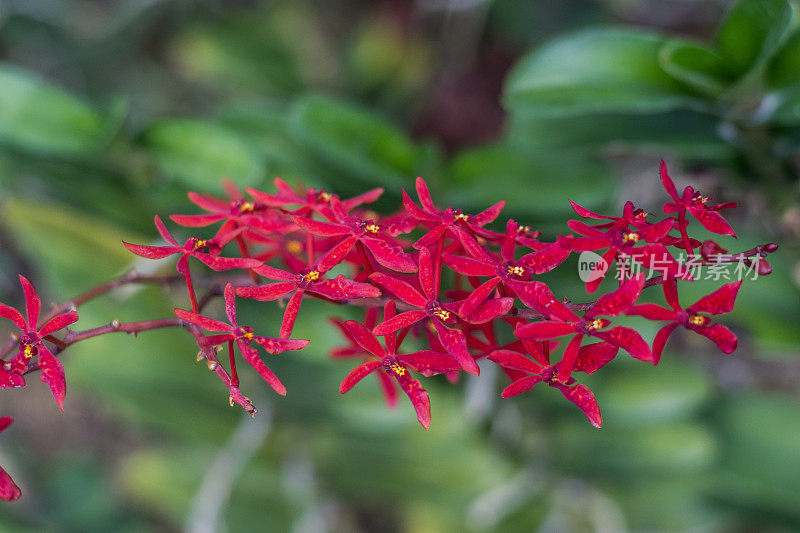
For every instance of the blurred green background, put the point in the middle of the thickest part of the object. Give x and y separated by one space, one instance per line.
111 110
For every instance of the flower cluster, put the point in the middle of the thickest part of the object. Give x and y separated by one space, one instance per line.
437 278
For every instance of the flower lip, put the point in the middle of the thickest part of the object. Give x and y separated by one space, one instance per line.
594 325
508 269
306 277
392 366
435 309
195 243
244 332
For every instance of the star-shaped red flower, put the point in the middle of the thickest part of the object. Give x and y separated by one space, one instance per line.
31 343
243 336
396 365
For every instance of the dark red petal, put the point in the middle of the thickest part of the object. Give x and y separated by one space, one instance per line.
53 375
478 296
357 374
652 312
8 312
594 356
469 266
215 340
657 231
581 396
364 338
32 303
669 185
399 322
419 399
567 364
469 243
342 288
489 310
321 228
520 386
388 388
712 221
164 232
429 239
266 293
390 255
290 314
670 289
363 198
620 300
226 263
273 273
545 329
429 363
251 356
455 343
336 255
585 213
427 277
276 346
58 322
5 421
547 259
207 324
719 301
230 303
399 289
208 203
514 360
538 296
487 215
10 380
424 195
661 340
196 221
627 339
588 231
600 270
152 252
722 336
416 212
389 312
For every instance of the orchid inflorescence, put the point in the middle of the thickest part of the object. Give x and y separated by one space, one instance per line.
457 289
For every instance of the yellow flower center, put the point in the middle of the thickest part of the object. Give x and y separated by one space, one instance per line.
516 271
462 216
246 207
443 314
312 275
28 351
294 247
698 320
324 196
597 323
523 229
397 369
630 237
372 228
248 335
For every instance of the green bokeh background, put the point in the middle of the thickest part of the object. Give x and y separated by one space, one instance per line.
111 111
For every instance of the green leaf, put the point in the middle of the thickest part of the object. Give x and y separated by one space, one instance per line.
534 185
607 70
201 153
697 66
354 141
686 132
755 30
39 117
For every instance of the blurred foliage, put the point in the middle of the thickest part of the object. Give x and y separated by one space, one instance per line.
110 112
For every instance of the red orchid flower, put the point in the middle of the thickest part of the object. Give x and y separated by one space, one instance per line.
193 247
242 336
395 365
31 342
353 349
538 370
696 204
621 242
630 217
568 323
426 305
312 280
459 224
505 270
365 234
718 302
9 491
309 201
